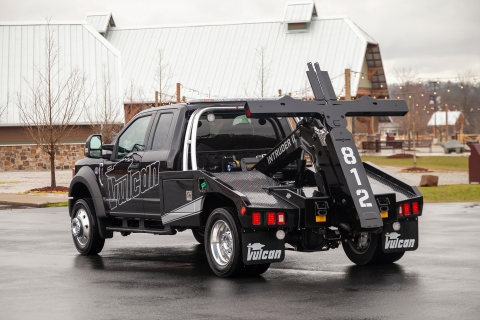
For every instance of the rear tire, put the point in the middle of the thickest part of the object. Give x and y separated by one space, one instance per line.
387 258
373 254
84 228
361 256
199 235
223 243
262 268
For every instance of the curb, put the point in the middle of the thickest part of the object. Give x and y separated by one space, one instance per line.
23 204
33 204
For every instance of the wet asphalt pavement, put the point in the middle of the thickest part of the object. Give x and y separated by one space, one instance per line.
165 277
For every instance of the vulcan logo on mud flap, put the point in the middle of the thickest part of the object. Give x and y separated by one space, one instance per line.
255 252
277 152
131 185
392 241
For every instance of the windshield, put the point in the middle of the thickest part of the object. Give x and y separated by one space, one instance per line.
223 131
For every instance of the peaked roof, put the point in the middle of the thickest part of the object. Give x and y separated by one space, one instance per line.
100 21
22 48
441 116
300 11
223 60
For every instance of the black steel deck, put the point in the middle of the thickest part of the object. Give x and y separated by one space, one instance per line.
252 184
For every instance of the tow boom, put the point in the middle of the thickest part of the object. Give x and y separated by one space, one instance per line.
322 134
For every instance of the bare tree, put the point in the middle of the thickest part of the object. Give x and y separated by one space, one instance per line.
245 90
263 71
163 77
406 79
466 99
134 101
106 118
405 76
465 94
52 105
3 107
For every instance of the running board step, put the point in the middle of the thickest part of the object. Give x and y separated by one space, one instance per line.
168 231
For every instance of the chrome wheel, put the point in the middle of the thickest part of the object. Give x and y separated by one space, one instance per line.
221 243
81 227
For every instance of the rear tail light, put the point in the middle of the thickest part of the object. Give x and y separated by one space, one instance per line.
256 220
248 112
400 210
281 218
407 209
270 218
415 208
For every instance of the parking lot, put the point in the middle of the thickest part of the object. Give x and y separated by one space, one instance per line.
160 277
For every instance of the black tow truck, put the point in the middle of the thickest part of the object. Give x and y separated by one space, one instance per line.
250 178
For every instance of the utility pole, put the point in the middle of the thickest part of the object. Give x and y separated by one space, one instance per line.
446 121
178 92
156 98
435 107
348 96
413 129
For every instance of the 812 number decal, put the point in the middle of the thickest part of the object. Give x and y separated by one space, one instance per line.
349 158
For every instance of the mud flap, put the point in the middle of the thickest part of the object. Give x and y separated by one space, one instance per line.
405 239
262 247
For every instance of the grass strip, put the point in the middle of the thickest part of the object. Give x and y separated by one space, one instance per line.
433 163
56 204
451 193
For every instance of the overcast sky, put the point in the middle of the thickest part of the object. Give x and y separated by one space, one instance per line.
436 38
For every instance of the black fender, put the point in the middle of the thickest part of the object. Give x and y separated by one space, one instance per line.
86 177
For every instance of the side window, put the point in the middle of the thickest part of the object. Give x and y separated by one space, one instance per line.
161 133
133 139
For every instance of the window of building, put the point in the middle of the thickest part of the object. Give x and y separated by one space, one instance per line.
297 26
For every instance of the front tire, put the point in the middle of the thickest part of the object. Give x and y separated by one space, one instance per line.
223 243
84 228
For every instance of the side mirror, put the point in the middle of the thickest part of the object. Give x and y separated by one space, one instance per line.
93 146
107 151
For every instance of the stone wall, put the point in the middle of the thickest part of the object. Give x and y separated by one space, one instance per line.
30 157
